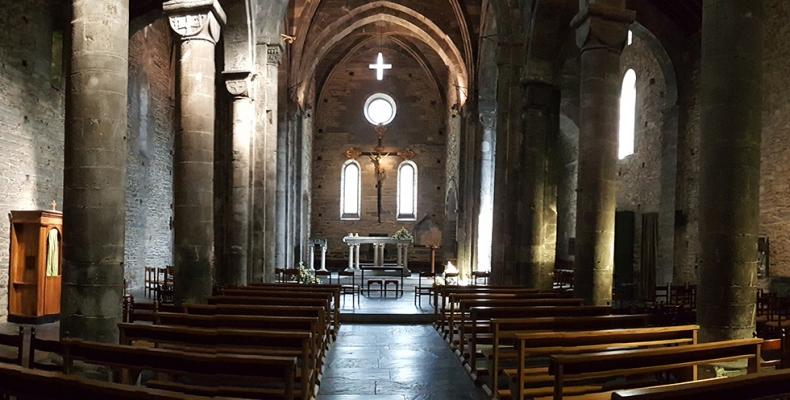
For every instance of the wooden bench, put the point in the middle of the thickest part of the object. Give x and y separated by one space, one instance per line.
286 290
465 305
682 361
762 385
311 324
297 344
480 321
278 370
27 383
278 301
536 345
504 332
442 291
264 310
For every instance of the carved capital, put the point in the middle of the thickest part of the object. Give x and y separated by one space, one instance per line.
599 26
274 54
488 119
195 19
239 83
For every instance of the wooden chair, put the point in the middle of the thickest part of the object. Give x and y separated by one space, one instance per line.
395 282
325 274
166 289
151 281
379 282
279 274
424 290
353 289
452 277
484 275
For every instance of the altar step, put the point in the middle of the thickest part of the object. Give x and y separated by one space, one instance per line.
372 318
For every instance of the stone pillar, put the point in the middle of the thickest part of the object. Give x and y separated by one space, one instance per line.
486 215
94 195
356 257
197 23
350 257
540 120
730 167
601 34
323 256
312 255
239 85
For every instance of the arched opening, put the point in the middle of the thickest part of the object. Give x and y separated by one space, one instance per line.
627 115
407 191
350 191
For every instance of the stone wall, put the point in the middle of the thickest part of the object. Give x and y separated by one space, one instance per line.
420 124
775 170
639 174
31 115
149 194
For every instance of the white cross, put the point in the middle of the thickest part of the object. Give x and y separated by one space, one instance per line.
379 66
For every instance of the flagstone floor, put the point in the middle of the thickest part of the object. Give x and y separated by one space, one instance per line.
394 362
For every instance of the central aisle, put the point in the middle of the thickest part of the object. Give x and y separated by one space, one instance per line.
394 362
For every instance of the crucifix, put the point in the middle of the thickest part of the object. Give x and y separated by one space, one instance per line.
379 66
376 156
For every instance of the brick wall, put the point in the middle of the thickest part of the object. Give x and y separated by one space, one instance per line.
775 170
31 117
149 166
340 124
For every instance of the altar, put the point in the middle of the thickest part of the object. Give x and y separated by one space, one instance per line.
379 243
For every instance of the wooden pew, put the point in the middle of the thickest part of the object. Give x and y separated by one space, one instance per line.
15 342
505 330
262 310
295 291
297 344
465 305
480 321
762 385
27 383
280 370
533 345
287 323
682 360
442 291
278 301
146 311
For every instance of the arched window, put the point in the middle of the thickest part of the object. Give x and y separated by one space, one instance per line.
407 191
627 114
350 191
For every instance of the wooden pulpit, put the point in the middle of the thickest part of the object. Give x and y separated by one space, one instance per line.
35 266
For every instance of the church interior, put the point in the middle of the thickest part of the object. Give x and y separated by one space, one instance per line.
394 199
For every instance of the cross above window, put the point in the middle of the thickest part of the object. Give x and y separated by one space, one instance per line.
379 66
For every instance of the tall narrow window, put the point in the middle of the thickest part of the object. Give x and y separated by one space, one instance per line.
407 191
627 114
350 191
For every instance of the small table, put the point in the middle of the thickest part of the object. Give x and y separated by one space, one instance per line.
385 268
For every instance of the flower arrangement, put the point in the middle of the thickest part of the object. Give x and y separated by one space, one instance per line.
305 277
403 234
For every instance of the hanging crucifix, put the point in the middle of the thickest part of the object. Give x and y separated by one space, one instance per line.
375 157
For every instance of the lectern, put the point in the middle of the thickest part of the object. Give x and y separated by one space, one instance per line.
35 266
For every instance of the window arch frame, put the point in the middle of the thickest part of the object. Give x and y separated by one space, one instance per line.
627 125
400 215
345 216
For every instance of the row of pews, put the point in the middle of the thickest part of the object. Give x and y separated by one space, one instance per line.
524 343
266 341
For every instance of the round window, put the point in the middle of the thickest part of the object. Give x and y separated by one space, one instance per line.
380 109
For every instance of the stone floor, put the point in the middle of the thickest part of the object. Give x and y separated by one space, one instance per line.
375 302
394 362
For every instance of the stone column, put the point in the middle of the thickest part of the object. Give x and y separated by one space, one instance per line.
312 255
239 85
356 257
323 256
730 167
94 195
486 215
601 34
350 257
540 120
197 23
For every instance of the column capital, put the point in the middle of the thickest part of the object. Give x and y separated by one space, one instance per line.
195 19
601 26
488 119
274 54
239 83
